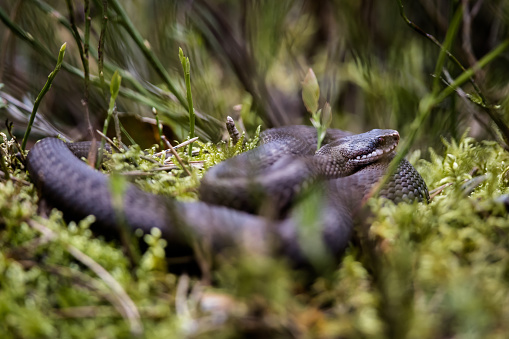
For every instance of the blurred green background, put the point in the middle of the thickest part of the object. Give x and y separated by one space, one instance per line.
248 59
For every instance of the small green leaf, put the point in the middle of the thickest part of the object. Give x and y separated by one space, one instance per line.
181 55
326 115
115 84
61 54
310 92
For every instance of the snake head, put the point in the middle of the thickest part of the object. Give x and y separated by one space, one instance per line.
348 154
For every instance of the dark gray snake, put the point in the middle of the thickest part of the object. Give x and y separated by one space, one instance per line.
267 180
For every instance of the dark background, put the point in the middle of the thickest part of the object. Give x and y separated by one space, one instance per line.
248 59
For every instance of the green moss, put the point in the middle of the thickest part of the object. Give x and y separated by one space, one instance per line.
425 271
446 262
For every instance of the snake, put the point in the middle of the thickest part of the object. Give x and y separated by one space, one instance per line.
257 197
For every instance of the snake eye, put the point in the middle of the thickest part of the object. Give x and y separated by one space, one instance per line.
381 139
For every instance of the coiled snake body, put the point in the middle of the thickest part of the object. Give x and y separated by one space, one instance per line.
266 179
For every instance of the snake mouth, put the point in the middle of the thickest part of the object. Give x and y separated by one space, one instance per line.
384 145
375 155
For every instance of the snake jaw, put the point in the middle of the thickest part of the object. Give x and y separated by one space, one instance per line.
349 154
376 144
375 155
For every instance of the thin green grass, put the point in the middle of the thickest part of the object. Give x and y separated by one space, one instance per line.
43 92
186 67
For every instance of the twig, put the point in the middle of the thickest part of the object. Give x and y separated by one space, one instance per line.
175 154
438 190
108 140
129 309
118 149
169 157
185 143
151 172
195 163
150 159
148 172
169 167
182 144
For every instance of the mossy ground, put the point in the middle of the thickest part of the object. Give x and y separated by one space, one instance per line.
424 271
427 270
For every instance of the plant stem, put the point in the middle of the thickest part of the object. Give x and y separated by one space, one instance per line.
43 92
176 155
186 66
451 33
100 48
159 128
74 31
147 51
116 79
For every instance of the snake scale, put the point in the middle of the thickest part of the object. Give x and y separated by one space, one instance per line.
267 180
